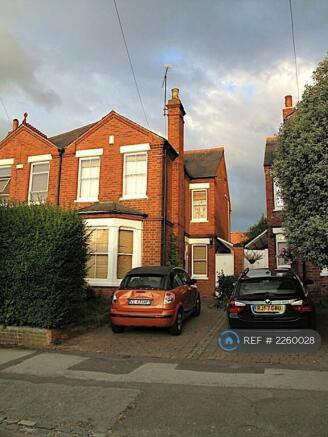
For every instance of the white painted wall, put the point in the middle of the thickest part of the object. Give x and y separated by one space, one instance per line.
262 263
225 262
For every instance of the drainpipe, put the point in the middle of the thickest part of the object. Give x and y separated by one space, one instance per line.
164 206
61 153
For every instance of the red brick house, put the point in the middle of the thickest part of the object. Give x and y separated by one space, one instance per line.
274 203
134 188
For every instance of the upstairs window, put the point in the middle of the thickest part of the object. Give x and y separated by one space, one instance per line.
5 175
98 254
88 188
39 178
199 205
278 202
135 175
125 252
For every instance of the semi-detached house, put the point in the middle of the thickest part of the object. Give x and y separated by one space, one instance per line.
134 188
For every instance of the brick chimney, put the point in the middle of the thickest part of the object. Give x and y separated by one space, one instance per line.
15 124
175 114
288 109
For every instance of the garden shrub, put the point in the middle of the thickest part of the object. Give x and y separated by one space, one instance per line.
226 283
43 253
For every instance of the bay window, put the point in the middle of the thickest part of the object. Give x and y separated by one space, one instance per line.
115 247
98 254
125 252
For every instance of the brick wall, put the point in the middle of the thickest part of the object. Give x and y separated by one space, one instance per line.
23 336
22 144
238 252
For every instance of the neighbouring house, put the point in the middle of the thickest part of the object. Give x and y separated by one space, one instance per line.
276 239
146 198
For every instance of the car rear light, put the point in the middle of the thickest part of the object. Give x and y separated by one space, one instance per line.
299 306
236 307
169 297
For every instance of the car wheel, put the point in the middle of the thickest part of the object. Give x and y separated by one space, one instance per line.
117 329
198 307
176 329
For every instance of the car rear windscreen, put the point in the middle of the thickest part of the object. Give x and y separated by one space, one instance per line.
271 286
147 282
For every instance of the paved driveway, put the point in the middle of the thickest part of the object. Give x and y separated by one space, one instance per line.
197 342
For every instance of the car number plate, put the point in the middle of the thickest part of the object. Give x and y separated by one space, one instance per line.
139 301
266 308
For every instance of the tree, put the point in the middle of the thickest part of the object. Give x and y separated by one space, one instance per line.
301 170
257 229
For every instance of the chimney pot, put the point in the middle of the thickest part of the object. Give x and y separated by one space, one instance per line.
175 93
288 101
15 124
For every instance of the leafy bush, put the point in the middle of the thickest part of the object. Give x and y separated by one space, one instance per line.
43 253
225 284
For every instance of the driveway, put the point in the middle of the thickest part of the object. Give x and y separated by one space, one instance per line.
197 342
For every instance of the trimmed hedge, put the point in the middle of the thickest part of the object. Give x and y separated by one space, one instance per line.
43 253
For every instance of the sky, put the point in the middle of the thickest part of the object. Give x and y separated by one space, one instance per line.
64 63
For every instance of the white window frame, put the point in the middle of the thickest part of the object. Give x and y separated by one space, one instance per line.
101 253
122 228
193 275
134 196
5 197
87 199
198 220
113 225
275 197
324 272
281 266
32 164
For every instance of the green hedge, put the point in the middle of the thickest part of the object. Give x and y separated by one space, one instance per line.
43 253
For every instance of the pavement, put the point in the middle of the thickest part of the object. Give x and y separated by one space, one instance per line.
145 382
62 394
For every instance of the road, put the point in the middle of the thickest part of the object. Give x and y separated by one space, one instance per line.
64 394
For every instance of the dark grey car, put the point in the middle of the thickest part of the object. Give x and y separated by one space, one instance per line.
264 298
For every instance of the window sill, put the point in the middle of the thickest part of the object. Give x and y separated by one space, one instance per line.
199 221
288 266
103 282
86 200
277 209
133 197
200 277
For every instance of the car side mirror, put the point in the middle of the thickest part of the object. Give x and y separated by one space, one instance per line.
193 281
308 282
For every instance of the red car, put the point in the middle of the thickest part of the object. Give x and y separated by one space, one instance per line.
155 297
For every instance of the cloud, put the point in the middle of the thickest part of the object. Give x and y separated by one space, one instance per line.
232 60
19 73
